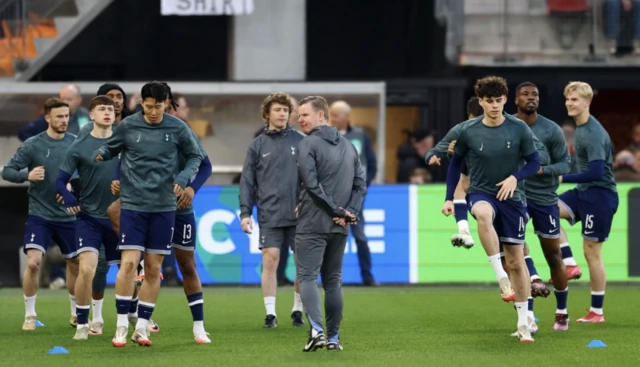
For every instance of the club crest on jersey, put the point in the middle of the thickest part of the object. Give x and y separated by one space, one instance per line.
166 137
508 144
293 151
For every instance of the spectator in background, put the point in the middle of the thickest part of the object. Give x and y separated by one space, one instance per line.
134 103
635 136
340 118
624 167
411 155
569 130
420 176
79 116
622 19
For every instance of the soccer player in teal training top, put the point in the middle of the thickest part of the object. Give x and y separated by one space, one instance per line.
494 150
93 228
152 142
48 221
542 200
458 203
594 201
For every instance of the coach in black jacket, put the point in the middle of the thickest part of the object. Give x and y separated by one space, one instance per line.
270 181
333 190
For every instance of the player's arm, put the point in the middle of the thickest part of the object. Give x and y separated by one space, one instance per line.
67 168
530 154
455 165
372 162
441 149
358 190
596 154
204 172
12 171
113 146
309 176
248 181
560 158
190 150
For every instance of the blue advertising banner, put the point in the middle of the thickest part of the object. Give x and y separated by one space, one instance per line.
227 255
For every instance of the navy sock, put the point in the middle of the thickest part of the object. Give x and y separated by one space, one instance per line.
145 310
83 314
566 251
123 304
561 299
196 304
597 299
530 305
531 266
134 305
460 210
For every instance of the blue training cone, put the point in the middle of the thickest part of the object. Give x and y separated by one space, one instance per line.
58 350
39 324
596 344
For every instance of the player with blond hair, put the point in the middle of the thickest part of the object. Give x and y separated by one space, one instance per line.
594 201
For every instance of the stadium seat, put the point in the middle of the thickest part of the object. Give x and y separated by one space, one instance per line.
6 63
567 6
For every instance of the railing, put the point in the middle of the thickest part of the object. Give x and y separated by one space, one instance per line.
541 32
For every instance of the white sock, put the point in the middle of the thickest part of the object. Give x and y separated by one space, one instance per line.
522 308
570 261
270 305
463 226
30 305
297 302
142 324
72 299
597 311
198 326
122 321
97 310
496 264
561 312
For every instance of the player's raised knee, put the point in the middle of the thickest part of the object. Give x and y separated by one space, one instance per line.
483 212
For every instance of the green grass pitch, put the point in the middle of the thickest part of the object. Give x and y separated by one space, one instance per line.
383 326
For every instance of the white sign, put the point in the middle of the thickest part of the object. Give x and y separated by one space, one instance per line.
207 7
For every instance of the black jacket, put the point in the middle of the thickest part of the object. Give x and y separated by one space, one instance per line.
270 178
332 178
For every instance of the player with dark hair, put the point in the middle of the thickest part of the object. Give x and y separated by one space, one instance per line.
458 206
48 221
93 230
496 195
184 237
270 181
473 108
150 182
542 198
595 200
